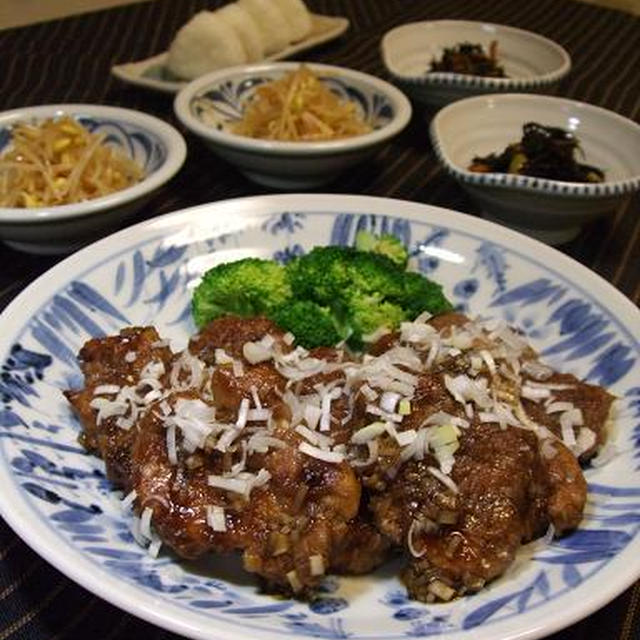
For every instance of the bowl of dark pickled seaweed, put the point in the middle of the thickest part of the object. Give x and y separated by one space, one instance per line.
543 165
440 61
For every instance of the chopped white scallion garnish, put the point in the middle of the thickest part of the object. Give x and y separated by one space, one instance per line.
389 401
416 332
321 454
259 443
172 451
368 392
238 369
258 415
154 548
235 485
316 565
369 432
404 407
255 397
243 413
536 370
262 477
441 590
222 357
216 518
551 386
294 581
443 418
445 479
129 499
434 350
192 366
566 426
154 369
145 522
314 437
534 393
267 341
416 527
105 389
227 438
558 407
124 423
325 408
312 415
405 438
255 352
377 411
489 361
108 408
586 440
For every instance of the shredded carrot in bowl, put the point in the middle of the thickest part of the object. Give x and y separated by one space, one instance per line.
300 107
58 161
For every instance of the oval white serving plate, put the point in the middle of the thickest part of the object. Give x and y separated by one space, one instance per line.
56 497
152 73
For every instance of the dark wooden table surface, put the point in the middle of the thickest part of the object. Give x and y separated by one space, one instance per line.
68 61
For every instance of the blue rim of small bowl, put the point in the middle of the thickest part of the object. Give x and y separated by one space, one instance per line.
458 80
531 184
175 148
401 104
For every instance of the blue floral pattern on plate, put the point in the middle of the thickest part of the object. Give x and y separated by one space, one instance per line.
150 281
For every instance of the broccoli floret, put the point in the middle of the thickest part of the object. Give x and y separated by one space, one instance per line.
362 290
328 275
420 294
247 287
366 314
375 274
386 244
311 324
320 275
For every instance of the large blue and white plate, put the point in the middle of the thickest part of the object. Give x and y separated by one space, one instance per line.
57 499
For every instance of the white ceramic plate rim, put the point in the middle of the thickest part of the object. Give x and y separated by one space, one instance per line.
131 72
401 105
616 576
528 183
453 79
176 150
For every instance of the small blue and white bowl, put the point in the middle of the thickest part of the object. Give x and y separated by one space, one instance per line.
532 62
212 104
155 145
550 210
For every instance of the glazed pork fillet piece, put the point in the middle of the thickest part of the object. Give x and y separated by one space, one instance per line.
291 516
288 529
505 474
106 412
